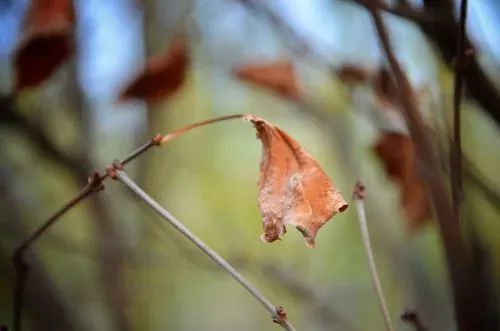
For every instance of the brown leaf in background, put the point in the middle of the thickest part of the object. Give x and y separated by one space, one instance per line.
293 189
353 74
397 153
162 76
279 77
46 43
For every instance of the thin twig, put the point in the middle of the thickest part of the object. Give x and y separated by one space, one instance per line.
277 312
359 195
178 132
411 317
94 185
456 148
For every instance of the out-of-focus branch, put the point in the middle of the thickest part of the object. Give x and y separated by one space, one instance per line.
278 313
9 115
444 34
466 298
456 147
403 10
437 22
44 302
18 259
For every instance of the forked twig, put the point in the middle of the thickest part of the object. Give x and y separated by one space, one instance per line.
95 184
278 313
359 195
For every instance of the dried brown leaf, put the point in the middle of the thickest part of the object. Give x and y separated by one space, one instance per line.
397 153
279 77
293 189
47 41
162 76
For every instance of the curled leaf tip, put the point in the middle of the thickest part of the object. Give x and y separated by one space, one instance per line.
293 189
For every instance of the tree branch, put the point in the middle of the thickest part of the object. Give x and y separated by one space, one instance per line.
45 302
444 34
10 115
466 298
456 148
278 314
94 185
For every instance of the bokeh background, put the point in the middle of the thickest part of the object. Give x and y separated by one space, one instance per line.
112 264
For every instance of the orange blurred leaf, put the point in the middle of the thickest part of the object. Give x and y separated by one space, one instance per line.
162 76
279 77
397 153
46 43
293 189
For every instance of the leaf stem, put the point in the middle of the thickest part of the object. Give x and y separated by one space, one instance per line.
277 312
180 131
363 225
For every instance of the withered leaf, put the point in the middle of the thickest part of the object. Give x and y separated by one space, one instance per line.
279 77
397 153
162 76
293 189
47 41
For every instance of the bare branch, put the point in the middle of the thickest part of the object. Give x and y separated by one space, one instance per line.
277 312
466 298
94 185
359 195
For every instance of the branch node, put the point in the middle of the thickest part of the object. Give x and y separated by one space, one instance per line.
359 190
279 317
156 140
95 182
111 170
